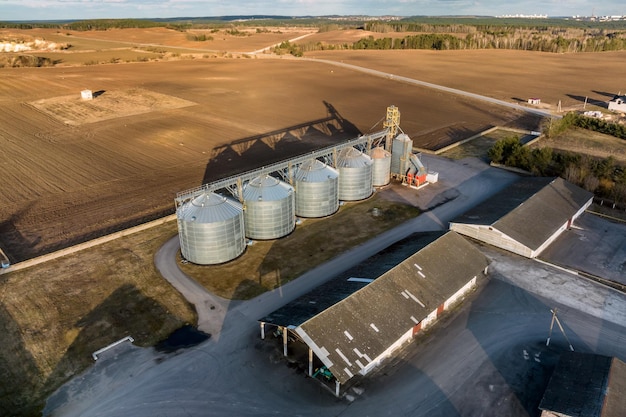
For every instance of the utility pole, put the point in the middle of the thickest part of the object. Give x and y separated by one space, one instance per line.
558 322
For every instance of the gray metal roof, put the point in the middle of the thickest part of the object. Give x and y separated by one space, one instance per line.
209 208
586 385
530 210
343 285
363 324
352 158
315 170
266 188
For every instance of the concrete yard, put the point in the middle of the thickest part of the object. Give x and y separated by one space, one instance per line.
594 245
488 358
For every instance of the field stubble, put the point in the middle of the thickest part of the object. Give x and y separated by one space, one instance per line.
64 184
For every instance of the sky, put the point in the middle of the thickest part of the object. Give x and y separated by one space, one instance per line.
99 9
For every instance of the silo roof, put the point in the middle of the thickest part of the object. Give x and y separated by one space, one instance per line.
380 153
209 208
266 188
315 170
352 158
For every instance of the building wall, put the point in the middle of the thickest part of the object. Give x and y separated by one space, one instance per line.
561 229
429 320
406 337
546 413
493 237
618 105
460 294
425 323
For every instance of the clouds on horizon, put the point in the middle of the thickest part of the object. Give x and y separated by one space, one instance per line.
96 9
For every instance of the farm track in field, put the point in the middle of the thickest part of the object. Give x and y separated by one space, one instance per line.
62 183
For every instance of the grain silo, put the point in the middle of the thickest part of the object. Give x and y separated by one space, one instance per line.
401 150
269 208
355 174
381 167
316 189
210 229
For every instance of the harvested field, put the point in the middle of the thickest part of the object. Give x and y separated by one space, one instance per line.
123 164
64 184
73 110
507 75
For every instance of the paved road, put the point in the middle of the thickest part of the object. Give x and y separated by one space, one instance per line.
489 360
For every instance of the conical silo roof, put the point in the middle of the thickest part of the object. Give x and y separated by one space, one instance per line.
266 188
315 170
380 153
209 208
352 158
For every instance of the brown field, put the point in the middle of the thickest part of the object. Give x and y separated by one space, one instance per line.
65 183
507 75
74 170
70 175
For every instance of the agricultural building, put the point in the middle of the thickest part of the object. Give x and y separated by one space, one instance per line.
381 168
86 95
316 187
310 185
269 208
355 174
210 229
618 103
352 323
585 385
525 217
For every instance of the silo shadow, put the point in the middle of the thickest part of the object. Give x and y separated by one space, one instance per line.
270 147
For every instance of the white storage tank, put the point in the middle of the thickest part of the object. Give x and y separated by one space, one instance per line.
316 189
269 208
381 167
355 174
401 150
210 229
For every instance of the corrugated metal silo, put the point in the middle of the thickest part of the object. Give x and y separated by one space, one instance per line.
355 174
401 150
381 168
210 229
316 189
269 211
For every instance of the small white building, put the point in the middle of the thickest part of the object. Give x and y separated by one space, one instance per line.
618 103
534 100
86 95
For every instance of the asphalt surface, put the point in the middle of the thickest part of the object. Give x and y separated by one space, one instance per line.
594 245
489 359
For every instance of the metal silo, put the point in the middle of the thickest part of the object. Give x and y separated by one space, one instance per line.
316 189
381 168
210 229
269 208
355 174
401 150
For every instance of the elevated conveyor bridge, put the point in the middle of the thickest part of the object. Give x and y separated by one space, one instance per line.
286 168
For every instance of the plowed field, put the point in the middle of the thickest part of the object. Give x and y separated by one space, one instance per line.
68 179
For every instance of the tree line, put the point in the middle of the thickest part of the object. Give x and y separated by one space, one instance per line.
483 40
601 176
